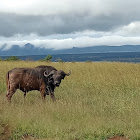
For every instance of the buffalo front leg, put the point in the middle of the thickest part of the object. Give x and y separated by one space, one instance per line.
51 91
52 96
43 93
24 95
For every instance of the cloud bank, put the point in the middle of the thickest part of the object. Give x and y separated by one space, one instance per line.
86 38
77 42
68 23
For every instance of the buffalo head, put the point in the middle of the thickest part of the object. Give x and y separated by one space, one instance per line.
55 76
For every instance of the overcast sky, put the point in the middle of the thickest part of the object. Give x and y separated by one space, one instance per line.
69 23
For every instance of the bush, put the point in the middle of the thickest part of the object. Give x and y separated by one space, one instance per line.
12 58
48 58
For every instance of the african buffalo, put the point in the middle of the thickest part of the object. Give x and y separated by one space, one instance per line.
42 78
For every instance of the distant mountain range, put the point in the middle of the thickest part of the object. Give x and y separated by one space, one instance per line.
30 49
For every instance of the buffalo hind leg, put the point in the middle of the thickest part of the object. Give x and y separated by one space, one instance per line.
10 94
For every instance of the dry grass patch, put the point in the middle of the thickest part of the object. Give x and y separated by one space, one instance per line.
97 101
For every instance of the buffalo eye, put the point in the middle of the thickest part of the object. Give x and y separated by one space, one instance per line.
50 79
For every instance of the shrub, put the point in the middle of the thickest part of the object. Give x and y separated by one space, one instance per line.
12 58
48 58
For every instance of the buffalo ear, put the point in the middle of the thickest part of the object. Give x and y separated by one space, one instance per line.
50 76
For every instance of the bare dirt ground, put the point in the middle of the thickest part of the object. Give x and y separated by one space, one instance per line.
118 138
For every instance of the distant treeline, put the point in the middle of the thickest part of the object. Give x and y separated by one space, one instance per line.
15 58
11 58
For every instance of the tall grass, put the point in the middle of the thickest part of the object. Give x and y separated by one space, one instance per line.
98 100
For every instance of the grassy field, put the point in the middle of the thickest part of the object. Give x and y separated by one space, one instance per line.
97 101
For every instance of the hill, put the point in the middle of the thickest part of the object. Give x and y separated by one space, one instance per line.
30 49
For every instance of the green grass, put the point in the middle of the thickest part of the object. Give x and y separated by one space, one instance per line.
98 100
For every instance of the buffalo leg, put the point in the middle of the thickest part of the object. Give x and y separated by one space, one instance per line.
43 94
24 95
10 93
52 96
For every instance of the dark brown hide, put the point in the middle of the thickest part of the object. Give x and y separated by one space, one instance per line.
41 78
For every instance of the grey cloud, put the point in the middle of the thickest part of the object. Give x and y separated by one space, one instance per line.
12 24
44 17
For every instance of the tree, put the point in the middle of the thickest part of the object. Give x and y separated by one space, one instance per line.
12 58
48 58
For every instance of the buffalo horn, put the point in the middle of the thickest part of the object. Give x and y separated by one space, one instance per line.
68 73
46 75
